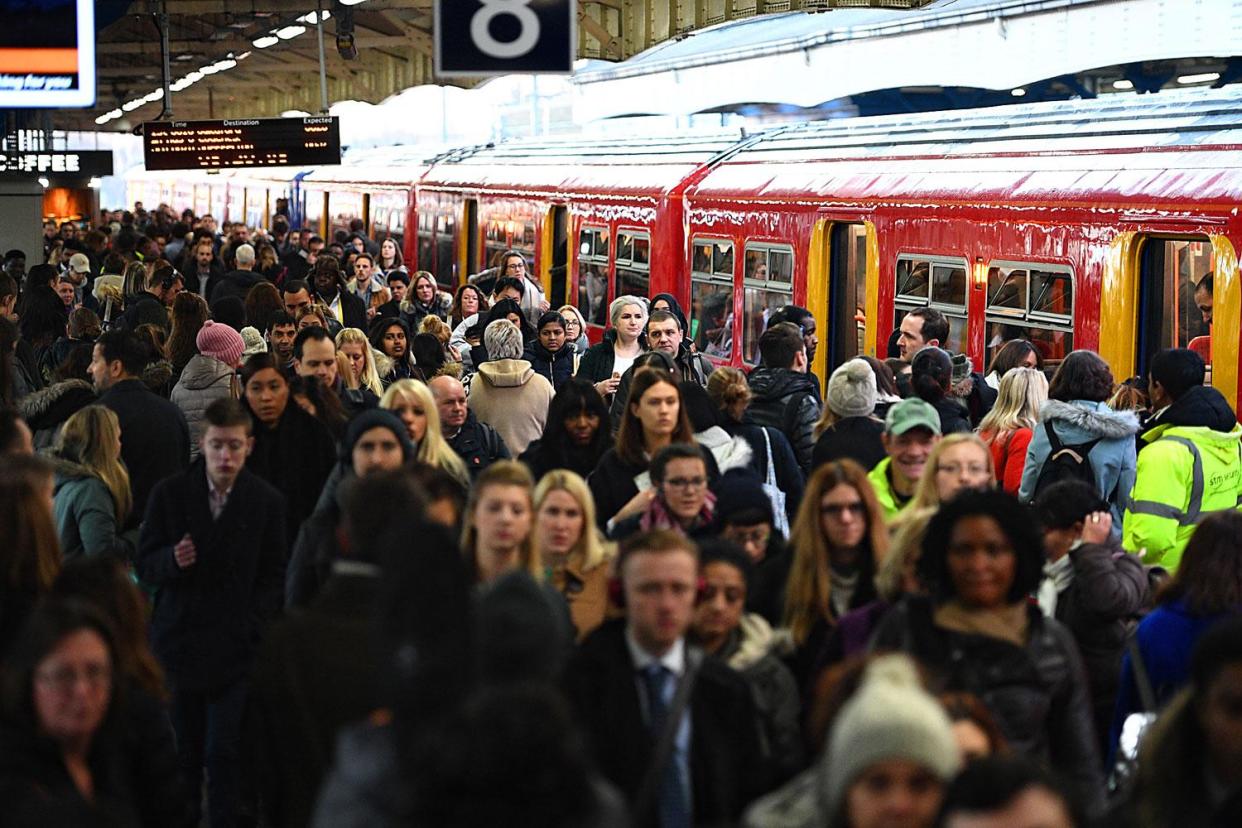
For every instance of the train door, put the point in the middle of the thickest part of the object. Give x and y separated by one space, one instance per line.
555 256
469 251
842 260
1175 297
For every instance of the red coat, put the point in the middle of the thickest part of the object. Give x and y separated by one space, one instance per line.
1009 457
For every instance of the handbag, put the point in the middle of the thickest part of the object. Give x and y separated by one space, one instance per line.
780 520
1135 726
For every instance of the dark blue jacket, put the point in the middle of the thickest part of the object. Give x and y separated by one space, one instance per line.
155 440
209 618
555 368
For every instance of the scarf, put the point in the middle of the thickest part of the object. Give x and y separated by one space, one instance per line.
658 516
1007 623
1058 575
841 592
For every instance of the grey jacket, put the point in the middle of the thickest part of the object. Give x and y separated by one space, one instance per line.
85 514
1113 460
204 380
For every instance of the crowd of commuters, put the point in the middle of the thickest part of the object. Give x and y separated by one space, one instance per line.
294 537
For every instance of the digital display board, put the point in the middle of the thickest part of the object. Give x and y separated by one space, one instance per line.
245 142
69 162
47 53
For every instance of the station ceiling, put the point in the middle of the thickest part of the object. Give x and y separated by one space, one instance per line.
393 39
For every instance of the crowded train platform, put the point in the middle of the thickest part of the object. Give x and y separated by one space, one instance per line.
295 537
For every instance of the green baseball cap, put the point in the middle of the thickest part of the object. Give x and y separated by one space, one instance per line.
911 413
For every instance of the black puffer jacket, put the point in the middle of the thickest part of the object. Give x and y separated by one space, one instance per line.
789 402
555 367
1038 693
46 410
1101 607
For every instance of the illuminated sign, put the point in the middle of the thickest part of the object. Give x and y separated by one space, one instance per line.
246 142
47 53
71 162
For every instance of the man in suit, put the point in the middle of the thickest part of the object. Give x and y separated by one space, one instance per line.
330 289
213 548
155 440
624 681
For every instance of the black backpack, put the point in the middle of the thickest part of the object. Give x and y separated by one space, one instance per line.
1065 462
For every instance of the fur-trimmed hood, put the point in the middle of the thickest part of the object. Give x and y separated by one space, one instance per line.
51 406
1092 418
729 452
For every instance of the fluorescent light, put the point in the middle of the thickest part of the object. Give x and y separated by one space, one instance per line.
1202 77
94 183
130 106
350 2
1017 93
177 86
154 96
242 56
194 77
265 41
1123 85
309 18
290 32
222 65
43 180
102 119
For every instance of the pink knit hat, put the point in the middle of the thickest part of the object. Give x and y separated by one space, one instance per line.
221 342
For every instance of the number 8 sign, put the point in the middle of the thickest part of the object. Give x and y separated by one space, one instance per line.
496 37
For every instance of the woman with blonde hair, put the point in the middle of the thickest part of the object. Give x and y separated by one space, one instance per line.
575 328
958 461
1008 427
413 403
605 362
576 558
499 532
355 346
91 498
839 540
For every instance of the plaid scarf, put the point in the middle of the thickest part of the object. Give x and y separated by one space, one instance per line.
658 516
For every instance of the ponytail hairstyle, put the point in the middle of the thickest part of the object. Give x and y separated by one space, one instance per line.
931 373
729 391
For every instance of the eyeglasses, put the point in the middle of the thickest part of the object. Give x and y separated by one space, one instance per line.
65 679
836 510
686 483
759 536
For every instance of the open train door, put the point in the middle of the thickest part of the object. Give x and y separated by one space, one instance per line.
841 279
468 252
554 261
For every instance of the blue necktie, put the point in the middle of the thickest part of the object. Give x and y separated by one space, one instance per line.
673 805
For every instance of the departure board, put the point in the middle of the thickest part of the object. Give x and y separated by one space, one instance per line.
246 142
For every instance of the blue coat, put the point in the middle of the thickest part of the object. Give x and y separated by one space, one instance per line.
1113 460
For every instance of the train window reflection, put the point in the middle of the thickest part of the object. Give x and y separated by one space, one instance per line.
711 297
912 278
1034 302
633 263
769 287
593 274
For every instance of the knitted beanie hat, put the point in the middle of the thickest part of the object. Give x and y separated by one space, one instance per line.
890 716
851 389
220 342
255 344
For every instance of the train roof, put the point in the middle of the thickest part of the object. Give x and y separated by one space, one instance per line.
634 165
1176 146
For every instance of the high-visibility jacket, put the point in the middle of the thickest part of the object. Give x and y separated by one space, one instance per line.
884 489
1185 473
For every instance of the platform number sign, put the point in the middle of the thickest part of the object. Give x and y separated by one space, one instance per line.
497 37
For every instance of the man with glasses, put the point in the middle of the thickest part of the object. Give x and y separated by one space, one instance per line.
683 503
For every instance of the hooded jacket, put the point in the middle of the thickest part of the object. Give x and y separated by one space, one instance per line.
85 514
204 380
1112 459
234 283
789 402
47 409
509 396
1190 465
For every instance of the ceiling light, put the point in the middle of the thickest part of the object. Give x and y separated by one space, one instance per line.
130 106
265 41
290 32
222 65
102 119
309 18
242 56
194 77
154 96
95 183
1017 93
43 180
1123 85
210 69
177 86
350 2
1202 77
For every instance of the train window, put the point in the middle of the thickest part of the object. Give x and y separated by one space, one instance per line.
1176 297
1033 302
593 274
768 287
936 281
528 236
446 268
633 263
711 297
